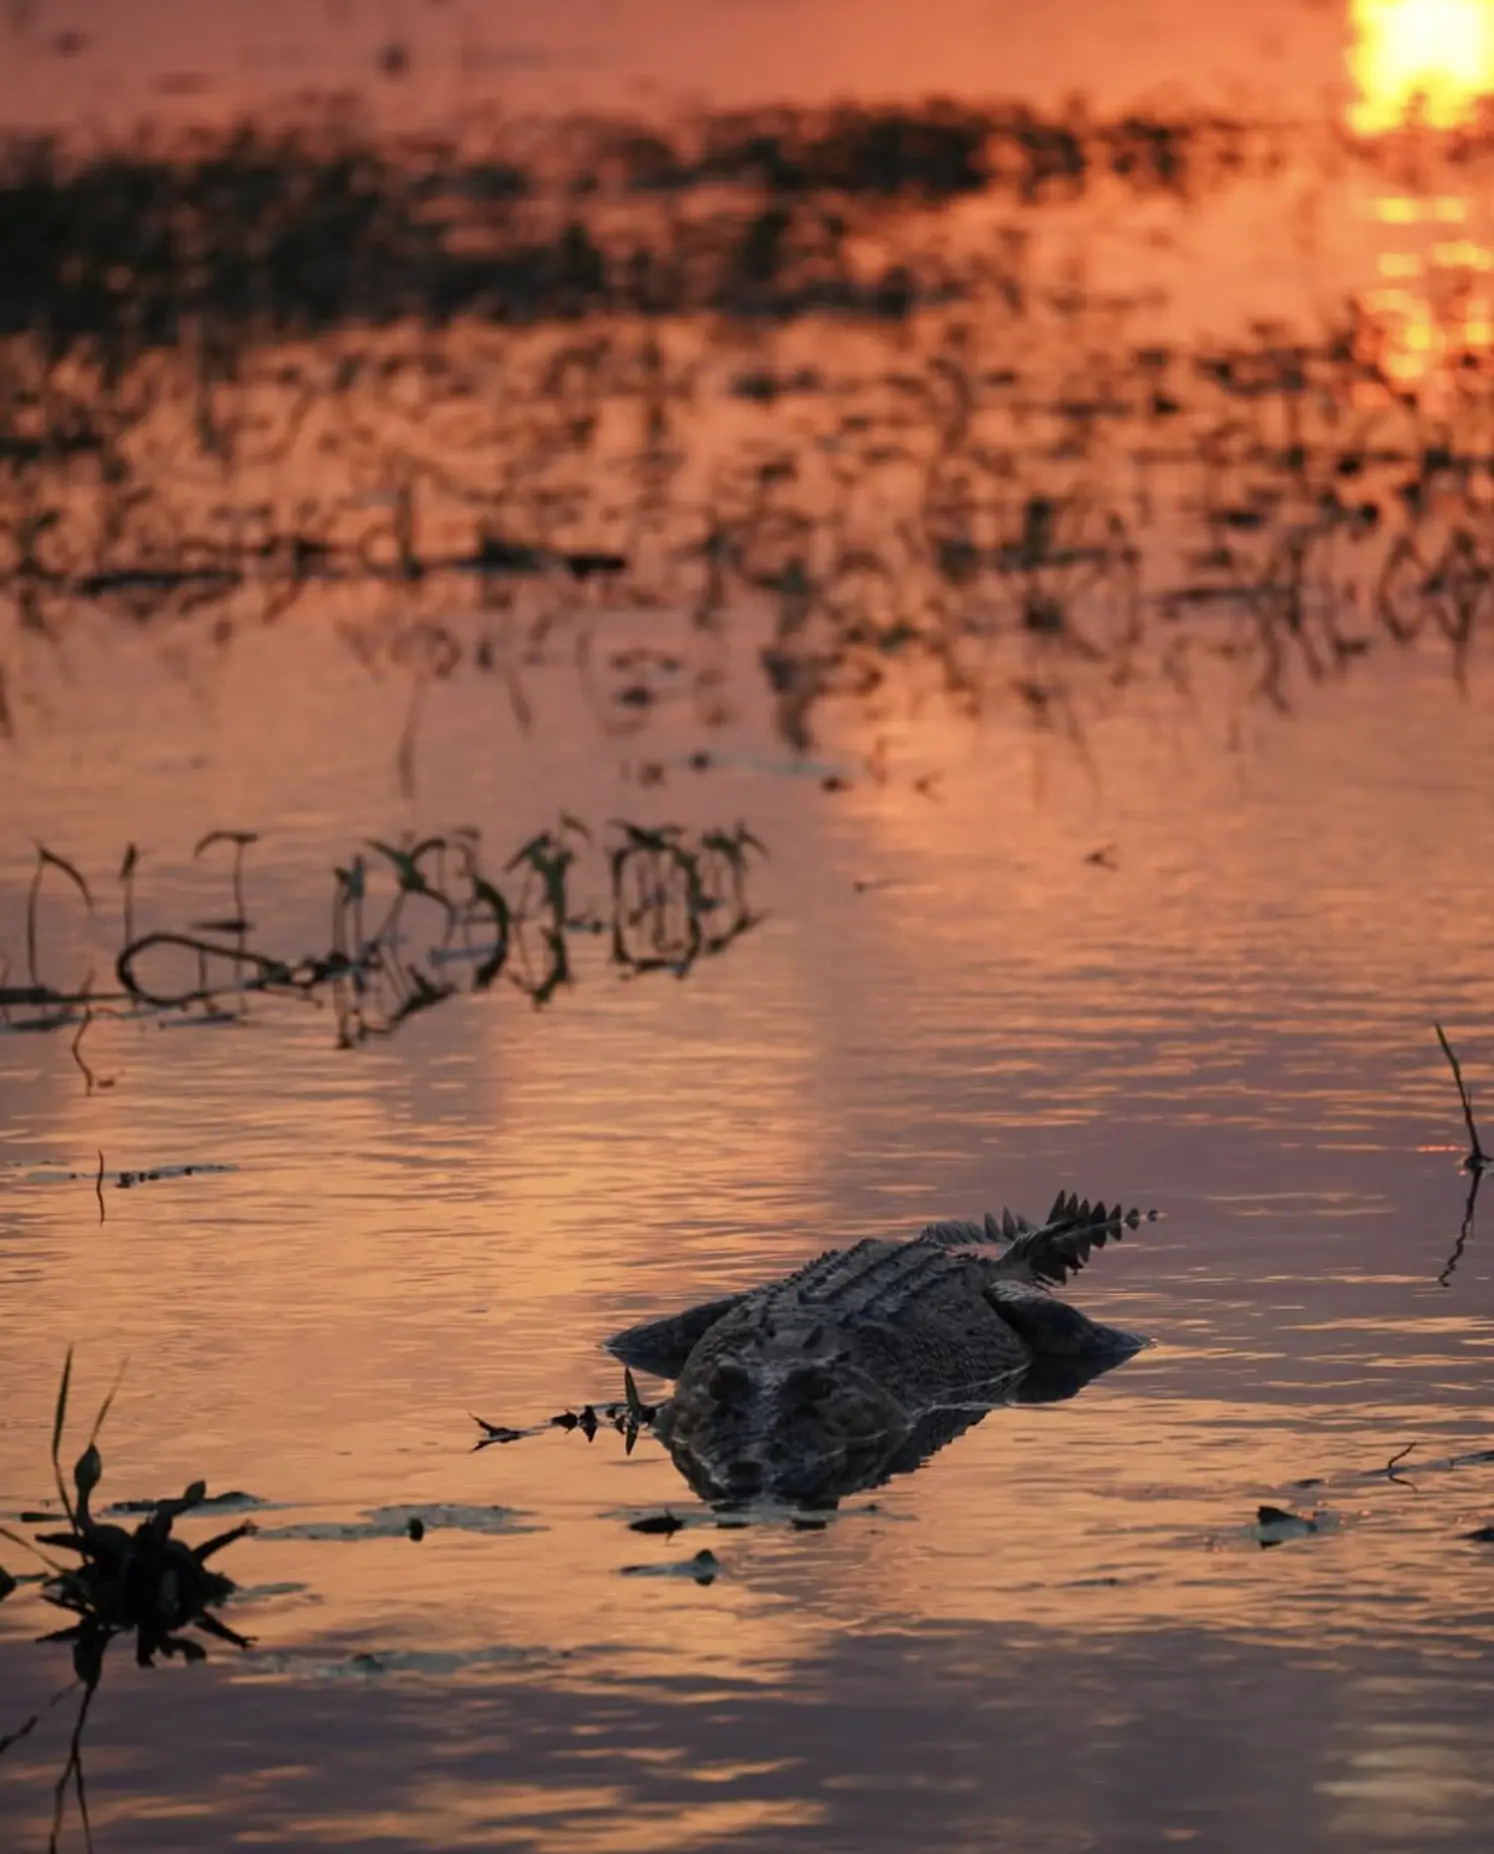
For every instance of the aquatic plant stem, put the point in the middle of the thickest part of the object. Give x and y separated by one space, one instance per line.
1477 1158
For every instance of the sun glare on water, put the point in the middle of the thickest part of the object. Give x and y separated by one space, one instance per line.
1430 58
1429 62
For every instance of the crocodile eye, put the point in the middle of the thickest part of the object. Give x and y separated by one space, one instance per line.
807 1385
730 1386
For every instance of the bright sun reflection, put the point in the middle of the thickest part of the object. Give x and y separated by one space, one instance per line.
1429 62
1434 58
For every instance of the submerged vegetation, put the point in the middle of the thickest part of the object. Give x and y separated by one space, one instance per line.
406 919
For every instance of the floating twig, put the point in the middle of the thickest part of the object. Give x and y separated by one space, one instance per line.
628 1418
1389 1470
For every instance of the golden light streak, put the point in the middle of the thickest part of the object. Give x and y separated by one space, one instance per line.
1430 60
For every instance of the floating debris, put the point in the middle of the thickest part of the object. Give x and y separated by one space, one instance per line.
233 1501
1276 1516
703 1568
662 1525
395 1522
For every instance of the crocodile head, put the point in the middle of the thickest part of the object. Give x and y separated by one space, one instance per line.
743 1427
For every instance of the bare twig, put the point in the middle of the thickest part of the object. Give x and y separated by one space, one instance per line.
1477 1158
90 1079
127 882
1389 1470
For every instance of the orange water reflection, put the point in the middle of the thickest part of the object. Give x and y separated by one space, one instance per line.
1429 64
1232 1022
1433 305
950 1004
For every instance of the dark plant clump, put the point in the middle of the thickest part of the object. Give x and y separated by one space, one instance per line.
141 1583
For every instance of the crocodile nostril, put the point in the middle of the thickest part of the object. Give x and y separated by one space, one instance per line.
744 1476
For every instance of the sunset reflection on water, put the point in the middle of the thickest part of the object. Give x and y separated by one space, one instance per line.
1421 66
1231 1023
1428 59
1433 305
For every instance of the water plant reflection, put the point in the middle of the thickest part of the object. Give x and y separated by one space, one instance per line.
889 435
1475 1162
674 898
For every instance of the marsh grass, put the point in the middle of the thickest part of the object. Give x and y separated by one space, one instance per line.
673 898
143 1584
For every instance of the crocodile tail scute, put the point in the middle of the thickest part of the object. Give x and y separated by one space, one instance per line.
1063 1243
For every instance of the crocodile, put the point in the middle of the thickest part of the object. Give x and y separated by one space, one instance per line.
862 1363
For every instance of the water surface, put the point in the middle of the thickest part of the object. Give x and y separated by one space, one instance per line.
1138 867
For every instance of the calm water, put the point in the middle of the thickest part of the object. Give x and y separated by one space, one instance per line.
1155 898
85 61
